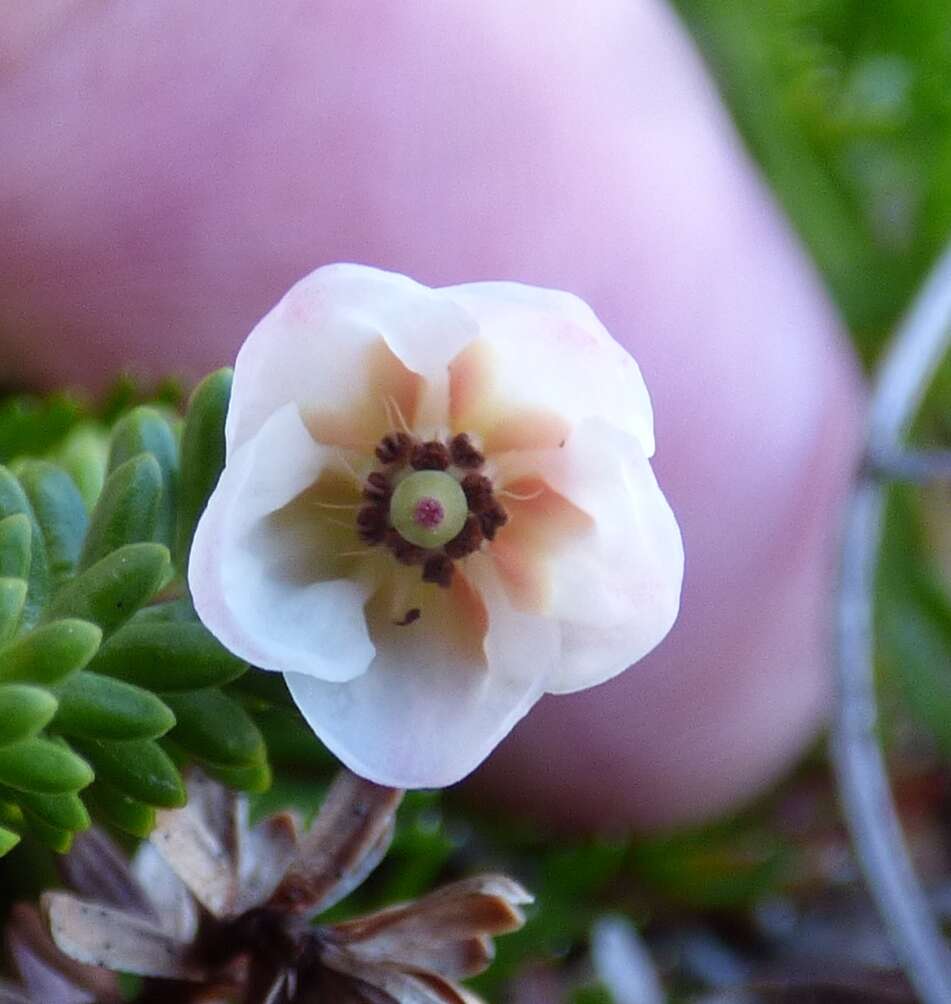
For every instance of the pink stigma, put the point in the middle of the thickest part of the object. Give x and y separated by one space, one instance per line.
428 513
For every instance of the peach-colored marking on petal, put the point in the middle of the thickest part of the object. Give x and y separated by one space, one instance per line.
540 519
470 386
474 407
523 574
526 430
389 390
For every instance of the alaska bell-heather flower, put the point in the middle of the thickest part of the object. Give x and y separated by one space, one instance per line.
437 506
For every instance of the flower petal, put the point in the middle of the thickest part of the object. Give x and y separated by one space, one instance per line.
614 584
255 577
349 837
447 932
403 987
433 705
177 911
541 356
312 347
94 867
101 936
45 971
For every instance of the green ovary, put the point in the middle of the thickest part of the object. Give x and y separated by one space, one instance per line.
428 508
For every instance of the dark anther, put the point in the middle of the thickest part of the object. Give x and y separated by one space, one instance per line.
463 453
393 447
492 519
377 487
466 541
410 617
372 523
438 569
404 552
431 456
478 491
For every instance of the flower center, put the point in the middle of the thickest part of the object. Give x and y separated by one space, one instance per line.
428 508
429 504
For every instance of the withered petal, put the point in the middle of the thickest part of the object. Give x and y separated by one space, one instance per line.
403 987
264 855
485 905
176 909
103 936
96 868
46 972
341 989
359 874
456 960
221 809
9 994
195 852
355 817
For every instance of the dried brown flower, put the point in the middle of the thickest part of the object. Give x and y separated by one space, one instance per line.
212 910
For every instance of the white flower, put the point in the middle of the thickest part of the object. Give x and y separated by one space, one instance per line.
437 506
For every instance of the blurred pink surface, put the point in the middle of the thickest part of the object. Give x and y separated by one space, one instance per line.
170 169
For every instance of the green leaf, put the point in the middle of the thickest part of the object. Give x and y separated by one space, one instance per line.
143 430
214 728
8 840
290 742
66 812
127 510
24 711
261 685
168 657
98 707
254 779
12 599
139 768
16 534
83 455
13 500
60 512
110 592
44 766
126 814
54 837
50 652
203 453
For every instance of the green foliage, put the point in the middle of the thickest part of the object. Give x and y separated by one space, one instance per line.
914 618
728 864
60 513
176 656
127 510
844 105
203 453
25 711
109 685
